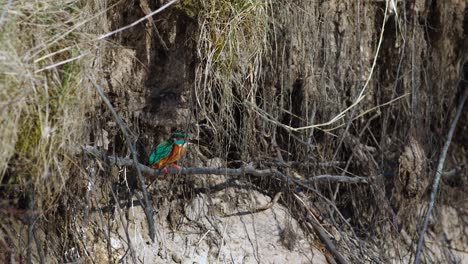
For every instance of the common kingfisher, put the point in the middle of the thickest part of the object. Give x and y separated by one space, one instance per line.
169 151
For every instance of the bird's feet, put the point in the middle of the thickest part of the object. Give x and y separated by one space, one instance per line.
176 166
166 170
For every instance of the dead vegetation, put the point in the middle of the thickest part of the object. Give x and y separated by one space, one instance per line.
42 99
231 46
367 87
43 104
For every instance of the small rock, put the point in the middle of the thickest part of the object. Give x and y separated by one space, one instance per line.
187 260
176 258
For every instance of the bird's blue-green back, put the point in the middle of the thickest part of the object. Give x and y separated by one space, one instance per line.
161 151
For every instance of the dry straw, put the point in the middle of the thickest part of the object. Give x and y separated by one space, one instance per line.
230 46
42 107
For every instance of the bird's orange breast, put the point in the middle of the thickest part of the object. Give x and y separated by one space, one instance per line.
176 153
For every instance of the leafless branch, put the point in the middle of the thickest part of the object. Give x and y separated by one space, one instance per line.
322 234
219 171
31 222
146 9
148 208
125 227
39 247
300 163
337 178
439 171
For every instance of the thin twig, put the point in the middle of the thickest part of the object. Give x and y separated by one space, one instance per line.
323 235
7 7
39 247
137 22
31 222
353 117
343 113
53 54
440 168
43 46
258 209
148 209
337 178
146 9
125 227
61 62
300 163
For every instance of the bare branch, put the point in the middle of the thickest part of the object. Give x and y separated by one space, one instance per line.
300 163
337 178
148 208
322 234
39 247
125 227
219 171
439 171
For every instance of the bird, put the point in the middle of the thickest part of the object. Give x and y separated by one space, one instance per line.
168 152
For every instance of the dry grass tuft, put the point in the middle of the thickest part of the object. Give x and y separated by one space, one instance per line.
231 42
42 109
